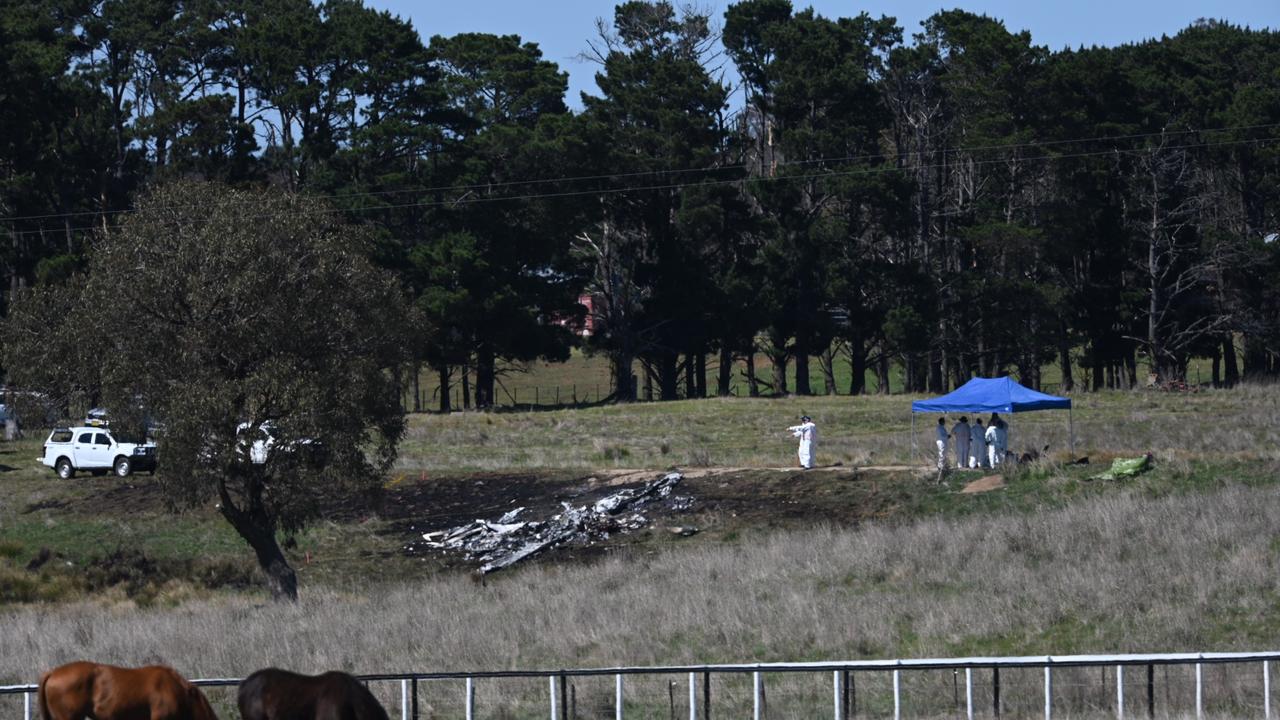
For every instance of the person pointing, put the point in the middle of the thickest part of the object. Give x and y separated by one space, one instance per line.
808 434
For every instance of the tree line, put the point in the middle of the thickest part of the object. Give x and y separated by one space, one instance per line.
951 202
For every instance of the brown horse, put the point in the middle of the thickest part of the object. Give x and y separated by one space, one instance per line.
82 690
274 694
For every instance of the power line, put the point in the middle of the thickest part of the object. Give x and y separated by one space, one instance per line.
657 187
688 171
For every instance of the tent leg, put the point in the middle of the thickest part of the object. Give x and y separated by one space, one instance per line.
912 459
1071 436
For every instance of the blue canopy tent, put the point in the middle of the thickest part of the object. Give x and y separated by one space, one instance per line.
1001 395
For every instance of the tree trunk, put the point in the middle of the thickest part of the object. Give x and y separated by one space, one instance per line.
690 377
1064 358
417 386
466 386
700 373
779 360
624 387
882 373
857 366
724 375
802 370
829 370
259 530
484 378
282 581
753 388
1231 369
446 402
669 376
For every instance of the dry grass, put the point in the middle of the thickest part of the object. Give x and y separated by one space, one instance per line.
1116 574
1182 562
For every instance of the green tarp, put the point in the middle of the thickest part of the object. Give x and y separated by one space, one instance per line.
1125 467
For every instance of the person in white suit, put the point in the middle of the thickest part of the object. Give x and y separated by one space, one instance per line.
977 444
997 439
807 431
961 433
943 437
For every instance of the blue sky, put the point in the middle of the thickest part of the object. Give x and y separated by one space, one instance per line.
562 27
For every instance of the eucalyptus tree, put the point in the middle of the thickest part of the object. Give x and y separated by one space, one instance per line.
224 329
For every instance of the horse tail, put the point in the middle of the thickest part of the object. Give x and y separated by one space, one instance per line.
41 700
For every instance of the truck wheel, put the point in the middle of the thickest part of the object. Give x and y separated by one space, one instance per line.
64 469
123 467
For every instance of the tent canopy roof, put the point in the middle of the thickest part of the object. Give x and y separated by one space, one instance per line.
1000 394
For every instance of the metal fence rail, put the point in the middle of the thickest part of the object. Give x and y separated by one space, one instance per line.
841 674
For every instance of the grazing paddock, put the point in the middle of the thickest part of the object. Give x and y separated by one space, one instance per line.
1239 424
1117 572
1180 558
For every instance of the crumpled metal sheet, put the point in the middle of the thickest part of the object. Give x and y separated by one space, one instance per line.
506 541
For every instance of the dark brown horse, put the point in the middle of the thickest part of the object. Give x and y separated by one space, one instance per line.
274 694
82 690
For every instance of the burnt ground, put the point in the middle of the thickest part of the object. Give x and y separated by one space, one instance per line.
713 503
709 504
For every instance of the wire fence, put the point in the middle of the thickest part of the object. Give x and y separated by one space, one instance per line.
1119 686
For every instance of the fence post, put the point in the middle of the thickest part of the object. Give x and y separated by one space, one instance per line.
968 693
1048 692
693 696
404 699
897 694
1119 692
1199 694
1266 689
1151 691
706 695
26 706
414 699
471 699
839 695
757 686
995 690
554 714
617 696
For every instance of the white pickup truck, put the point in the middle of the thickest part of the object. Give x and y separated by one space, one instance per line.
96 450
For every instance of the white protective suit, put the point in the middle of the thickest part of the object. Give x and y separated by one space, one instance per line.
977 445
961 433
942 446
997 438
808 434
